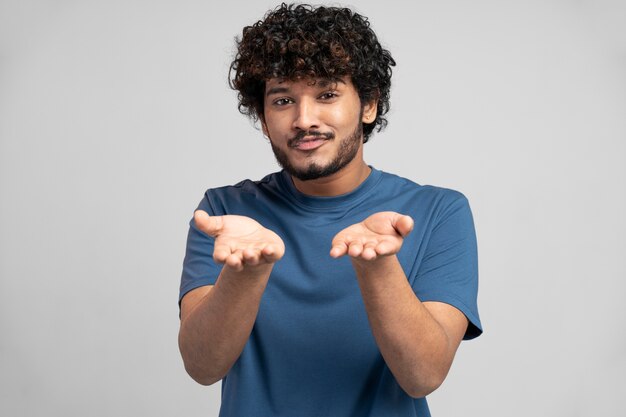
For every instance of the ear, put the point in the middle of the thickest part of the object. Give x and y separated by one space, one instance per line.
370 109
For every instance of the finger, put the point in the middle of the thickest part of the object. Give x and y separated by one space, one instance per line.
271 253
234 261
403 224
220 254
355 249
369 250
211 225
386 248
338 249
251 256
369 253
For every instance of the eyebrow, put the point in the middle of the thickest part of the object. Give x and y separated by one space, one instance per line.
321 83
276 90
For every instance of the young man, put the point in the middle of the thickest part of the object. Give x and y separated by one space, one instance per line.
329 288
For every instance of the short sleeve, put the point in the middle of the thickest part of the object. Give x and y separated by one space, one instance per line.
199 268
449 269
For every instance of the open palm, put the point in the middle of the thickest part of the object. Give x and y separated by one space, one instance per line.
381 234
240 241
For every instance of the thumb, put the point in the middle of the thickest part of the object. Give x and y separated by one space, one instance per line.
403 224
211 225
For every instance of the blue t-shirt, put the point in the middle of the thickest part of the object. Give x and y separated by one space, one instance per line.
311 351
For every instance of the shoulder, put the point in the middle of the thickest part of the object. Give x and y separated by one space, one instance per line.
222 200
430 195
246 186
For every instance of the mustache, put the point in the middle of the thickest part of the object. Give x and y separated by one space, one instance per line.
293 142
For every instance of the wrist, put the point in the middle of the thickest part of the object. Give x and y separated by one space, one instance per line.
375 267
248 272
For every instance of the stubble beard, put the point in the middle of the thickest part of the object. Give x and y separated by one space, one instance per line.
348 149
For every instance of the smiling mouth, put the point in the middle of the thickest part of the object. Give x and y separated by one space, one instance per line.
308 141
307 144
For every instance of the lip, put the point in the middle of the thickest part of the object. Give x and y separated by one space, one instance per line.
309 143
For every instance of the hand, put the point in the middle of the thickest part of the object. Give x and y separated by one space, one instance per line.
240 241
381 234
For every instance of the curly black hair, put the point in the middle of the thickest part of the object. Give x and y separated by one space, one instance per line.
301 41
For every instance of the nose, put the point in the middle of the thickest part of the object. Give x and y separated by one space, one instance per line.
306 117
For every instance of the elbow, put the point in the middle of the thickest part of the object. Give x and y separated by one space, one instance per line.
421 391
199 369
421 387
201 376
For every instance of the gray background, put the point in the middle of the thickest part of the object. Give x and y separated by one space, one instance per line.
115 117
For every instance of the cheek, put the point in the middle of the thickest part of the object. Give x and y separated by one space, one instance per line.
345 118
348 113
274 124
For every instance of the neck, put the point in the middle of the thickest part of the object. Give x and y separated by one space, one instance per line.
341 182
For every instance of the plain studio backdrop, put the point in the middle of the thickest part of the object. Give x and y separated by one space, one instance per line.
116 116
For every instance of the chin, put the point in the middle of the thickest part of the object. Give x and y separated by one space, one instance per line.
346 152
313 171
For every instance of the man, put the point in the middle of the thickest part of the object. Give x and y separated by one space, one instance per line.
329 288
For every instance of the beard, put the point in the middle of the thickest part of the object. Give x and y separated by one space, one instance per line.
347 151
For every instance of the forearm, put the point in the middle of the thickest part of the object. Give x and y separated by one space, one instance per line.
414 345
214 332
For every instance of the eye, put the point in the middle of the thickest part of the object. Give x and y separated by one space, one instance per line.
282 101
329 95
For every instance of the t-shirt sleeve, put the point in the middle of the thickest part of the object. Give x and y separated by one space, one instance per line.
449 269
199 268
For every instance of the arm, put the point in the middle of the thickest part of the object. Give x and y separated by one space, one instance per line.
216 321
417 340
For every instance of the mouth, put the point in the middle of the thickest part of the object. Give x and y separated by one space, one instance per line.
310 142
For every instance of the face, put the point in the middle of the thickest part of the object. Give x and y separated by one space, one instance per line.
315 126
